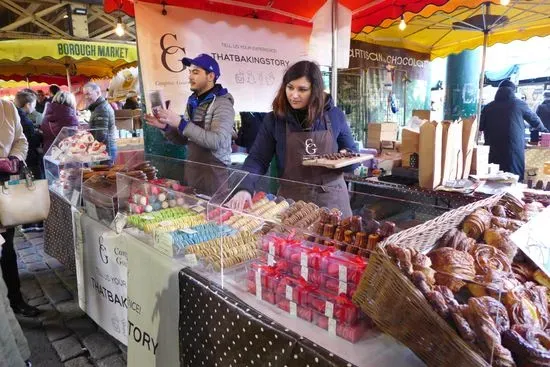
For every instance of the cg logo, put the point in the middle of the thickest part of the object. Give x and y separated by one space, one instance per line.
170 50
311 147
102 251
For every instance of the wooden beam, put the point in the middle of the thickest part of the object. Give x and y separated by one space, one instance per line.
26 17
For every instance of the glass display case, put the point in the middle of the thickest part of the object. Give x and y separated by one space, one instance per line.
72 150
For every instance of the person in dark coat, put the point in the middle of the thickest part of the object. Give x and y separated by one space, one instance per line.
502 123
132 102
543 110
25 101
61 112
102 119
250 125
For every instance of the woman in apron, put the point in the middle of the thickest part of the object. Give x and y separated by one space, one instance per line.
304 121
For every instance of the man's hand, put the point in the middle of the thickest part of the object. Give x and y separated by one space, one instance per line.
154 122
163 118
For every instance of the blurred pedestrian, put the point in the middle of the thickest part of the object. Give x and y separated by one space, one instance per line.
131 101
102 118
62 113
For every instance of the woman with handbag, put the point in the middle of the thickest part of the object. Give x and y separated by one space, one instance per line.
13 150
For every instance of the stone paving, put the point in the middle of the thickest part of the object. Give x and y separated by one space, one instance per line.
75 338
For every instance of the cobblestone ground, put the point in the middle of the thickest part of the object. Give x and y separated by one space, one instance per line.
63 335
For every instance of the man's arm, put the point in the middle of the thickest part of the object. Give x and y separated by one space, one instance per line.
531 117
221 128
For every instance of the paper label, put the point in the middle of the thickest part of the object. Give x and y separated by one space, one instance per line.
56 152
75 198
342 287
147 217
165 223
187 230
303 259
288 292
342 273
304 272
259 284
191 259
163 243
329 309
332 327
198 209
293 309
270 260
271 248
119 222
91 210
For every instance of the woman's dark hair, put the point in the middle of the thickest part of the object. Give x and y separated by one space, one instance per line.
316 104
54 88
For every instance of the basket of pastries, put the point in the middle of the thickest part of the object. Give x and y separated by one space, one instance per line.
458 292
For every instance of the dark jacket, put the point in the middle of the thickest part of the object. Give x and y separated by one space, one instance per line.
271 139
543 112
57 117
33 138
250 125
103 117
130 104
502 124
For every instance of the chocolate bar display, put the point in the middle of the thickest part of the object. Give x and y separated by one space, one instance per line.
336 160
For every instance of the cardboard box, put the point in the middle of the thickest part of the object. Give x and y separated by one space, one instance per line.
422 114
480 160
409 145
378 132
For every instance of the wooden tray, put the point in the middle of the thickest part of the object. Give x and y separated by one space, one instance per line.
339 163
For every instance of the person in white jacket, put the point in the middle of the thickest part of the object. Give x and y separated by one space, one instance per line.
14 349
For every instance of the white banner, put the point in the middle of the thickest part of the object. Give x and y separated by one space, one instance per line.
253 54
153 325
105 278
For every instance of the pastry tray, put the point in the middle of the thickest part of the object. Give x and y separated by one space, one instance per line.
336 163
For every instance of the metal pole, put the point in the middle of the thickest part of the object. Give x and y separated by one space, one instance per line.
334 69
482 76
68 77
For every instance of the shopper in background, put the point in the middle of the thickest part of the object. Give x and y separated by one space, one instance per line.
61 113
504 130
13 145
102 117
25 101
543 112
304 121
41 101
131 101
206 127
54 88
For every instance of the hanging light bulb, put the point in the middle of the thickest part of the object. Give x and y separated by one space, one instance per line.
119 30
504 2
402 24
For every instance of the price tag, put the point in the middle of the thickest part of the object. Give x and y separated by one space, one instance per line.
271 248
56 152
75 198
147 217
198 209
342 287
342 273
163 243
187 230
329 309
288 292
270 260
165 223
259 284
191 259
304 272
91 210
332 327
303 259
119 222
293 309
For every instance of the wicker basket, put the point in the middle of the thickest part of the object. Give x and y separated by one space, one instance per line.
400 310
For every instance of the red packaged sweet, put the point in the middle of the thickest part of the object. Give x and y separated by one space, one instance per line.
336 287
290 307
344 266
273 245
351 333
307 254
337 307
295 290
267 295
258 196
268 276
311 275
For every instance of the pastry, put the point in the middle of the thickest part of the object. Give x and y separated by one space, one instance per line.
523 272
541 278
493 283
456 239
463 327
499 211
530 346
499 238
513 206
437 301
489 318
422 263
476 223
452 266
489 258
419 280
521 309
507 223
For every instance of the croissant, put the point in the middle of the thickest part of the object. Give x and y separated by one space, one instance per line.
456 239
531 346
452 266
523 272
499 211
506 223
541 278
476 223
488 258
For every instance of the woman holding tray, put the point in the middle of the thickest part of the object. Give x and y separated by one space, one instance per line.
304 122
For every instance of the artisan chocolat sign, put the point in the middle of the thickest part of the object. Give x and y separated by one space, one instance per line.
365 55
